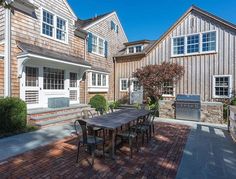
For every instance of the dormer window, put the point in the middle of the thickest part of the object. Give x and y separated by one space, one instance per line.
131 49
135 49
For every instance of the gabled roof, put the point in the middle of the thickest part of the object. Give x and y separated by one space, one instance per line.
70 9
36 50
200 11
87 22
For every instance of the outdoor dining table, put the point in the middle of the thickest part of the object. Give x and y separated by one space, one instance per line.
115 120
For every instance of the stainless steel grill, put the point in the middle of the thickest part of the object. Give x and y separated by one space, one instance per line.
188 107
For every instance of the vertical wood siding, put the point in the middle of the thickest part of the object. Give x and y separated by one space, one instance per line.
199 69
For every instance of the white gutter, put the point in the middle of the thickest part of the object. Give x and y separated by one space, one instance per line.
7 54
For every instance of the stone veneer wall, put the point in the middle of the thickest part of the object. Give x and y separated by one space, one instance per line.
233 121
211 112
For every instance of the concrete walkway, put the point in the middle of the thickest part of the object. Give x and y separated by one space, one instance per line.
209 153
14 145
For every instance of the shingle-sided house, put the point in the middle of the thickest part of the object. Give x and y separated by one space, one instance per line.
201 42
47 52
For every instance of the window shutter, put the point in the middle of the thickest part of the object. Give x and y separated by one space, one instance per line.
90 38
117 29
112 25
106 49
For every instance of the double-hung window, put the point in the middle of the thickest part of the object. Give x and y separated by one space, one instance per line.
178 45
98 45
209 41
193 43
222 86
168 89
61 29
123 84
48 23
54 26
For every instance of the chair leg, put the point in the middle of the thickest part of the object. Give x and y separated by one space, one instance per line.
131 148
103 149
153 129
93 156
142 138
77 157
147 136
150 131
137 144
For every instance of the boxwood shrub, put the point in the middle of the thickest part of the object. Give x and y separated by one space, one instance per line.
98 102
13 114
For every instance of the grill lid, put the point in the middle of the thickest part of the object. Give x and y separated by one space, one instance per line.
188 97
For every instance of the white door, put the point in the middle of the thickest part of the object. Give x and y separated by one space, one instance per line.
74 88
31 89
136 92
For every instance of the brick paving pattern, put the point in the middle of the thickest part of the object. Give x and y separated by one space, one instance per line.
159 158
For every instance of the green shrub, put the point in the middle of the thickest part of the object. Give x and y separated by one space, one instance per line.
98 102
114 104
233 102
13 114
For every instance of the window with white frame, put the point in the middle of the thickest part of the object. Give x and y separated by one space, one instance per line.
135 49
73 80
222 86
98 45
168 89
209 41
31 76
99 80
53 79
204 42
178 45
54 26
123 84
193 43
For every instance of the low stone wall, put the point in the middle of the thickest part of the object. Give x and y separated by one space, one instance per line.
166 109
232 119
211 112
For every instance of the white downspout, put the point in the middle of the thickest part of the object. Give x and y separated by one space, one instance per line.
7 54
85 84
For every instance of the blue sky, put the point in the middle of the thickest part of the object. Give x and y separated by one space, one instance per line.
149 19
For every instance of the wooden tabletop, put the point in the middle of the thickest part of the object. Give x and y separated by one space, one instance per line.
117 119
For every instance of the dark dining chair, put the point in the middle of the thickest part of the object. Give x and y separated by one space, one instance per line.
128 135
91 141
149 121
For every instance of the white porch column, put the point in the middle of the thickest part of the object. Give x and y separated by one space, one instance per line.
7 54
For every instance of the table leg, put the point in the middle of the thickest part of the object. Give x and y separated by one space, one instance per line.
112 134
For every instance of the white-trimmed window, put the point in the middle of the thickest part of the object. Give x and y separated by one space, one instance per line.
178 45
222 86
193 43
98 45
54 26
135 49
124 84
73 80
99 80
200 43
168 89
31 76
209 41
53 79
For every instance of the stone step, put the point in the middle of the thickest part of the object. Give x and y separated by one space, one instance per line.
63 120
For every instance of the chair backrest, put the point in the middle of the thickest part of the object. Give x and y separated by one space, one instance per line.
80 124
111 109
86 114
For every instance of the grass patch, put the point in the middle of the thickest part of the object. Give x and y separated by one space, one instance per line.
25 130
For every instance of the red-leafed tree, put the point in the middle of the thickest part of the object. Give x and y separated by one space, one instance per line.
154 77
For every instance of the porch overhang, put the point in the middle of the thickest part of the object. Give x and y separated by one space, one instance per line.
33 53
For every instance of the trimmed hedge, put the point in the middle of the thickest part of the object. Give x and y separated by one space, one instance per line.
98 102
13 114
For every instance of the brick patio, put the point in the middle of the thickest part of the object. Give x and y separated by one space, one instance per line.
158 159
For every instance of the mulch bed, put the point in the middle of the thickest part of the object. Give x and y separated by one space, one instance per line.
159 158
